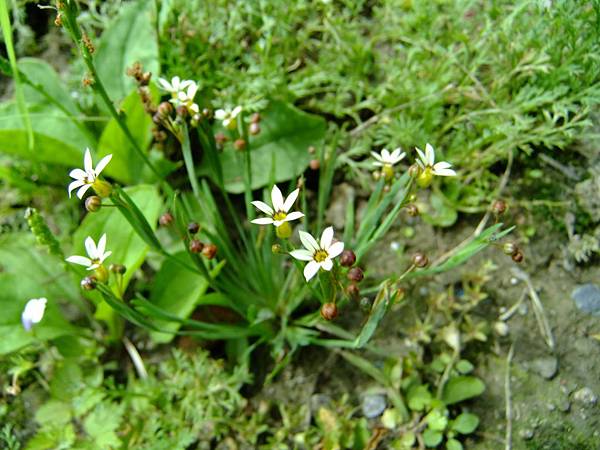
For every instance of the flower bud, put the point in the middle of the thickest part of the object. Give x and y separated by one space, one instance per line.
386 188
499 207
182 111
88 283
412 198
165 109
509 248
413 171
255 118
276 249
93 203
117 268
239 144
355 274
166 219
376 175
353 290
220 139
145 78
311 149
193 227
254 128
314 164
329 311
517 256
412 210
196 246
207 113
420 259
501 328
209 251
347 258
365 304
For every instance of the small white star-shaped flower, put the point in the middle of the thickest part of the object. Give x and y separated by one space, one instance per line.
427 161
96 254
278 214
186 98
228 116
175 86
320 254
84 179
387 158
33 312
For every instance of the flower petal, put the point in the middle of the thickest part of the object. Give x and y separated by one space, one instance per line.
302 255
220 114
377 163
308 241
81 260
82 190
430 154
102 164
335 249
293 216
442 165
90 248
377 156
263 221
422 157
326 238
263 207
236 111
311 269
101 246
87 161
74 185
276 198
165 84
290 200
102 257
444 172
78 174
385 155
327 264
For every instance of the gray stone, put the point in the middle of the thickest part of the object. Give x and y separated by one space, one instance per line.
564 406
545 367
526 434
585 396
373 405
587 298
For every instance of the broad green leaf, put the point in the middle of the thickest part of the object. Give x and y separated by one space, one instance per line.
443 214
453 444
418 397
102 424
27 272
177 291
127 247
126 165
464 366
58 140
432 438
279 152
130 37
465 423
53 412
436 420
462 388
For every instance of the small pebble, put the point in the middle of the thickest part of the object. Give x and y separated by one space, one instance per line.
565 406
373 405
587 298
585 396
546 367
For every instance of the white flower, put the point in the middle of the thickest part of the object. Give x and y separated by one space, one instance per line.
96 255
279 212
175 86
228 116
84 179
186 98
388 159
33 312
320 254
427 161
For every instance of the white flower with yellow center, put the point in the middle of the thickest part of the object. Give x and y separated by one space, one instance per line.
279 214
429 167
175 86
33 312
319 255
95 258
228 116
186 98
387 160
88 177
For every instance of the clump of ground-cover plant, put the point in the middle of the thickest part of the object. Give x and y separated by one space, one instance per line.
202 220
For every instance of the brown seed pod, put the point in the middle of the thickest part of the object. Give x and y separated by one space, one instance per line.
196 246
193 227
166 219
329 311
353 290
412 210
93 203
165 109
517 256
356 274
254 129
499 207
239 144
347 258
220 139
88 283
255 118
207 113
117 268
420 259
209 251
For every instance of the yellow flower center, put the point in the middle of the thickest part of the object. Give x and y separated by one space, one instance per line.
279 215
320 256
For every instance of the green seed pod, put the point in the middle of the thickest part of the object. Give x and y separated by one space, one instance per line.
42 233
